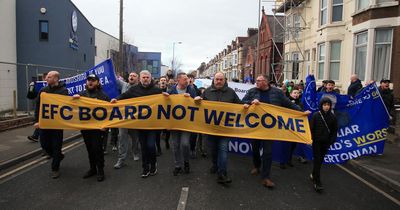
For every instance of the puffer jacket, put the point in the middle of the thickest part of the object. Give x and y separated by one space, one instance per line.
319 131
60 89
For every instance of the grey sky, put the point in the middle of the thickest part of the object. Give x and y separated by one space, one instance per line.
204 26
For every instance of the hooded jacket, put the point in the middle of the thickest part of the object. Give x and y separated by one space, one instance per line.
224 94
354 88
139 90
97 93
321 132
60 89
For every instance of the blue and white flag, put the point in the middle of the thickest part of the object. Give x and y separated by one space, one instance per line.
76 84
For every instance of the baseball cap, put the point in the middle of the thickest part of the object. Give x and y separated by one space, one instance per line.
92 77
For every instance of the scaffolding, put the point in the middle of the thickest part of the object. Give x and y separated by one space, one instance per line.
291 32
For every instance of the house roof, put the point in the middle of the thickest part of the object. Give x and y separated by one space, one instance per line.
288 4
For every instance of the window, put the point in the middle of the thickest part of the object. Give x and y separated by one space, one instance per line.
155 64
323 12
43 30
382 54
334 66
307 55
295 70
321 60
361 4
337 10
95 50
297 25
84 57
288 26
361 54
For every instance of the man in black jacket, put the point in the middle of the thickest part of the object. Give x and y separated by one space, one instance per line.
94 138
387 96
265 93
51 139
355 85
219 91
146 137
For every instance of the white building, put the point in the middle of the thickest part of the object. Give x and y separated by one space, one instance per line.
104 45
8 53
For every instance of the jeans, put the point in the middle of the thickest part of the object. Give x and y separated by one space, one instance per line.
51 141
319 151
36 133
218 146
94 146
128 137
147 139
266 159
180 144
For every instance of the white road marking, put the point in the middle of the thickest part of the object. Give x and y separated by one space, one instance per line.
370 185
183 198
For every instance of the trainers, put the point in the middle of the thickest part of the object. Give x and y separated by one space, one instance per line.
55 174
145 173
136 157
193 154
100 175
153 170
119 164
33 138
114 148
213 169
255 171
268 183
186 168
222 179
311 177
318 187
177 170
89 173
302 160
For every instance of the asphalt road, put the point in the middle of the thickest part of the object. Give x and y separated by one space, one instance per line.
125 189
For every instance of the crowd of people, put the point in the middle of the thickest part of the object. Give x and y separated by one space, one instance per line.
186 145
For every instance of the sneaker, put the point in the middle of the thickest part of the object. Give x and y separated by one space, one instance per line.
302 160
153 170
105 152
318 187
213 169
114 148
311 177
193 154
177 171
222 179
89 173
120 163
203 154
186 168
268 183
145 173
136 157
255 171
55 174
33 138
100 175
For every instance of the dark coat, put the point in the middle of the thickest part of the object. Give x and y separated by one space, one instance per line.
225 94
60 89
297 102
388 99
354 88
96 93
319 131
139 90
276 97
189 89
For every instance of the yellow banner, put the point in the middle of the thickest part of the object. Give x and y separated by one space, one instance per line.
175 112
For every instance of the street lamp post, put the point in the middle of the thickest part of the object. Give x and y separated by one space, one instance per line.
173 56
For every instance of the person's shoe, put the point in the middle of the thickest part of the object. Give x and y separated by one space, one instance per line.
255 171
302 160
114 148
119 164
167 145
282 166
135 157
105 152
203 154
213 169
100 175
159 153
177 171
268 183
153 170
222 179
193 154
55 174
318 187
186 168
33 138
62 157
89 173
145 173
311 177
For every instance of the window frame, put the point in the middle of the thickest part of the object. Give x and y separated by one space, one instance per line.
336 5
355 53
374 51
321 61
334 61
40 30
321 10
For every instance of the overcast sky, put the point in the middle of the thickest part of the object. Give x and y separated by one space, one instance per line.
204 27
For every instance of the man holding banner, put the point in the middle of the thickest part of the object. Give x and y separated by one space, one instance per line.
219 91
51 139
146 137
265 93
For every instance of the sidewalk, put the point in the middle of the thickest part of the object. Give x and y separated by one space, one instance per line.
383 168
14 143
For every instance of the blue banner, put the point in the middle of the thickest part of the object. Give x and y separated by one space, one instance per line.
76 84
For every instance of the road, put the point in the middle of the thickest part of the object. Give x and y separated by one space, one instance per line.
125 189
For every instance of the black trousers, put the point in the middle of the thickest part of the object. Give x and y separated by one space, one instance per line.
256 144
94 146
319 151
193 139
114 136
147 139
51 141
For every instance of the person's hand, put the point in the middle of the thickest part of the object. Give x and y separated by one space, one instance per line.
114 100
197 99
186 95
246 106
103 129
76 96
36 125
165 94
255 101
307 112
